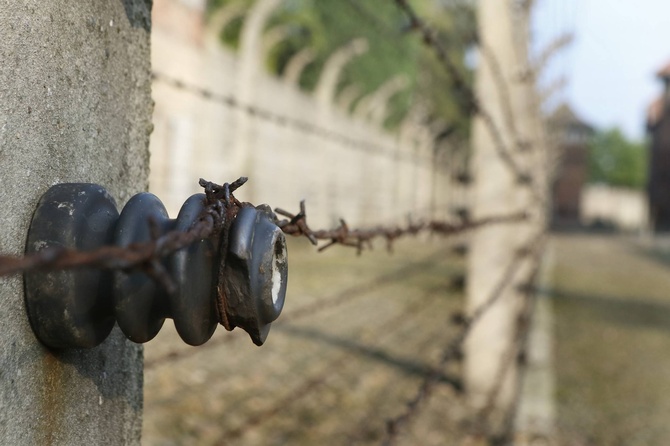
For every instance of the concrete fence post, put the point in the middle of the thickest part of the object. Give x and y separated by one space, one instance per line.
495 192
75 106
493 377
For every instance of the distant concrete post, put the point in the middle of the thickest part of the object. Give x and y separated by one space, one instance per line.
376 109
330 75
251 64
507 90
296 65
222 17
75 106
347 97
274 36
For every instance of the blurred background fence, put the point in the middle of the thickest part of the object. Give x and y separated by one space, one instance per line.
337 104
221 114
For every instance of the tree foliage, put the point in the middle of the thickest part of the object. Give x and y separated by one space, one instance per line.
616 160
326 25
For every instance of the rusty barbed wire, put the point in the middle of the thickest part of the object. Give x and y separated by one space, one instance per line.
429 38
453 350
387 328
221 208
288 121
143 256
320 305
315 379
509 117
452 380
297 226
362 238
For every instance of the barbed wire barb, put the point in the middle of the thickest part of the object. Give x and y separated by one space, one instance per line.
429 38
453 351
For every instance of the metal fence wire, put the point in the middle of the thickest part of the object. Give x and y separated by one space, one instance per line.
222 206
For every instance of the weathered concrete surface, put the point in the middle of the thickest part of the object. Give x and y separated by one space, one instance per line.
497 191
75 106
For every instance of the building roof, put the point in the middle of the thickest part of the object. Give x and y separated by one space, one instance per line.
564 115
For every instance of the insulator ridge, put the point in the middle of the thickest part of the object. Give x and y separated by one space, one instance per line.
77 308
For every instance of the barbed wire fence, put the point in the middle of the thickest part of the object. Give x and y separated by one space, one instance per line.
283 120
222 206
320 305
481 425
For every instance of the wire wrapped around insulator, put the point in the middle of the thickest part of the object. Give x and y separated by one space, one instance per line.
140 303
244 286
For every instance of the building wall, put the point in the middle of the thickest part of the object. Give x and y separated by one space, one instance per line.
569 183
195 137
659 174
624 208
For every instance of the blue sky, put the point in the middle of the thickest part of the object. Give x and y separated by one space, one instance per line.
610 67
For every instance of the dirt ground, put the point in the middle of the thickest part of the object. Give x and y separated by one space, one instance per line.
333 375
359 333
612 315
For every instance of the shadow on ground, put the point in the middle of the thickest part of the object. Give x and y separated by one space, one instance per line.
406 365
628 311
611 297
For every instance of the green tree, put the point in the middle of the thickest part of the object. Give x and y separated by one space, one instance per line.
325 25
616 160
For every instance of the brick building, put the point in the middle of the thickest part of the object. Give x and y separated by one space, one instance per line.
572 136
658 185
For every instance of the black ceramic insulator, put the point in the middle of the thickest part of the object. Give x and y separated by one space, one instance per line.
78 308
255 266
71 308
140 304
